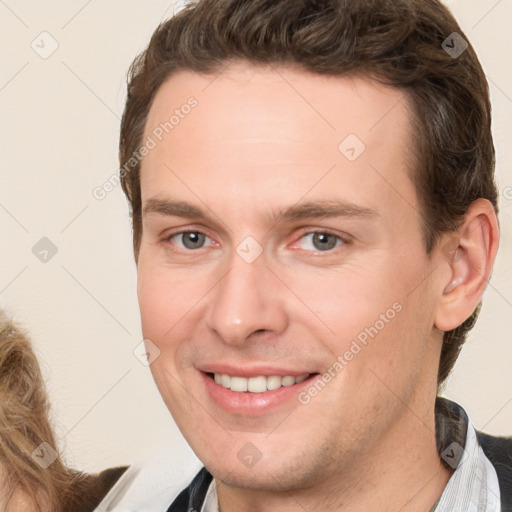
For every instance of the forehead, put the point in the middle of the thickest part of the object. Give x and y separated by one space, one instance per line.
335 104
278 125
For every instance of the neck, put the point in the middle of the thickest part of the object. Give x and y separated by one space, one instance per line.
404 472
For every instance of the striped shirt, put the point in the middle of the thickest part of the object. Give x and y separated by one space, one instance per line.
473 487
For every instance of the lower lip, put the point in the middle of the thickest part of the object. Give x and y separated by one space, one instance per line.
253 404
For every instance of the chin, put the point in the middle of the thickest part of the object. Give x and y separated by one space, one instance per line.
276 471
258 479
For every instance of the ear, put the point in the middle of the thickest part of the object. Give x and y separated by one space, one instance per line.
468 255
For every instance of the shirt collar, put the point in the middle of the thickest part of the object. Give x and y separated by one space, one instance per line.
473 486
211 502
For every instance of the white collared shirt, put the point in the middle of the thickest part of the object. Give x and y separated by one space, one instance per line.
474 485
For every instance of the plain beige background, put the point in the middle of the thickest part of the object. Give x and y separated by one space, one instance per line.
59 132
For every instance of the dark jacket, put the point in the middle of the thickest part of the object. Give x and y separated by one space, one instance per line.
499 451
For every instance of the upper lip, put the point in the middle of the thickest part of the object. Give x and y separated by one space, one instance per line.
251 371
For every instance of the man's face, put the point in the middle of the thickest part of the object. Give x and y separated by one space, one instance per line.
250 293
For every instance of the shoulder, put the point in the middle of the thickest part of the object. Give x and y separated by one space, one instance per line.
87 491
498 449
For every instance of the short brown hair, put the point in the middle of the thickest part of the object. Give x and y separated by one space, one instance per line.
402 43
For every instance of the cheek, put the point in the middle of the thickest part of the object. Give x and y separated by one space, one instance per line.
163 310
348 301
166 299
369 317
155 303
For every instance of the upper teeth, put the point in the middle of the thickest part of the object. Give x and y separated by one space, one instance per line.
258 384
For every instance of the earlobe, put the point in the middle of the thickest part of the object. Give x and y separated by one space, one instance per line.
469 257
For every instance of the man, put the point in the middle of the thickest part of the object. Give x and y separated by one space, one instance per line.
314 221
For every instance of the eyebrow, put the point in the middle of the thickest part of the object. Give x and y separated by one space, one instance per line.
308 210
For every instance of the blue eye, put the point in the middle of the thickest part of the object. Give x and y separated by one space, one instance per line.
320 241
189 239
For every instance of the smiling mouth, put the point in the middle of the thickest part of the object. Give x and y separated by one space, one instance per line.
257 384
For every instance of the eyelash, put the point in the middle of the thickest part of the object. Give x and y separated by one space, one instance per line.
344 240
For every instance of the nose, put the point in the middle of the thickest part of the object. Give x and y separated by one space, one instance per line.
248 299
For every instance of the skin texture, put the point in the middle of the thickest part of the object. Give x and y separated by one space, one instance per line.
262 139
